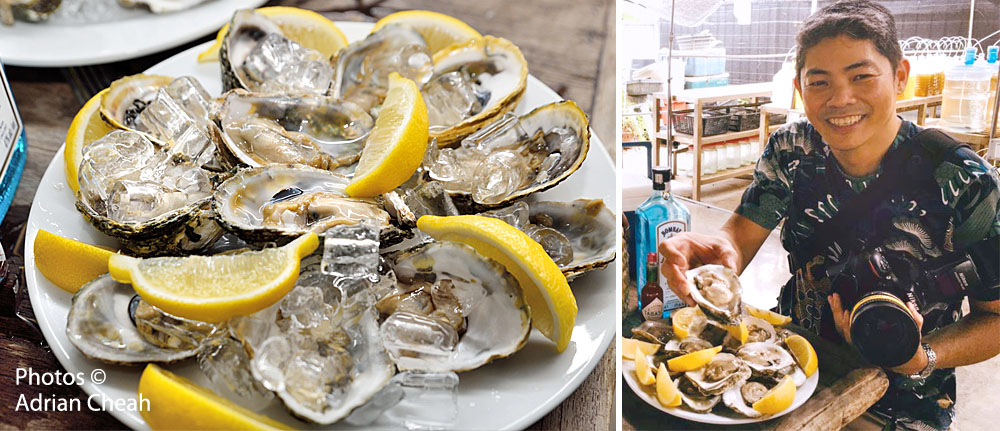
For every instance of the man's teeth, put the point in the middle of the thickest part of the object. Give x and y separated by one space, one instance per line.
844 121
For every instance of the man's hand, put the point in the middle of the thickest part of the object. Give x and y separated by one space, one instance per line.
842 319
690 250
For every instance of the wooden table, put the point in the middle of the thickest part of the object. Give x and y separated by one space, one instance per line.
572 51
698 98
846 387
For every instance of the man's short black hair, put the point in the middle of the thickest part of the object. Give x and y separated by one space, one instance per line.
859 19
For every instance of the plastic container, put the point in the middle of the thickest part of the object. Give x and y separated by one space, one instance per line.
965 96
709 159
732 155
745 157
703 66
719 80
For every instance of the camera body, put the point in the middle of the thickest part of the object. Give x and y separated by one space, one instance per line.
876 286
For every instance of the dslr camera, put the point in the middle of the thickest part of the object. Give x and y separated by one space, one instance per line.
876 286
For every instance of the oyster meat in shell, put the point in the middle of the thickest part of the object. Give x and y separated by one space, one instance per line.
721 373
513 157
107 321
589 226
741 397
474 83
716 290
767 360
361 69
317 131
276 204
473 297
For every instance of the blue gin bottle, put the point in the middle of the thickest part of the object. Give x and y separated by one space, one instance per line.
13 145
660 217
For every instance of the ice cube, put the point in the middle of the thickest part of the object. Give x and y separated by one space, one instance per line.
192 97
498 176
451 98
556 245
228 368
397 54
303 307
139 201
351 251
185 137
499 135
280 64
118 155
430 198
385 399
192 180
408 335
430 400
269 362
515 215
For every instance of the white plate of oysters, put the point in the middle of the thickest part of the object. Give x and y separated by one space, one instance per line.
723 390
60 33
527 376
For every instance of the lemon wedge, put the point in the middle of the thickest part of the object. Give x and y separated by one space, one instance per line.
87 127
643 370
438 30
177 403
693 360
666 391
804 353
395 148
306 27
768 316
629 345
739 332
778 398
552 304
215 288
682 320
68 263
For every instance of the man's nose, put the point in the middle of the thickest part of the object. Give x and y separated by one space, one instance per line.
843 95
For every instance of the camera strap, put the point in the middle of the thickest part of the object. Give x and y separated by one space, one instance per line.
935 146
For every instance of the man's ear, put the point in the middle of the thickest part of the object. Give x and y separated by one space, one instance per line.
902 74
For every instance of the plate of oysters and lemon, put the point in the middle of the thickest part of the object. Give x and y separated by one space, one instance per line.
460 203
722 362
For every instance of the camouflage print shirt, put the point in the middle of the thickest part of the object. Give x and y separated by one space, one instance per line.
957 208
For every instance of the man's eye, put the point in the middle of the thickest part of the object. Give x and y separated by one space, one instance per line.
862 76
816 84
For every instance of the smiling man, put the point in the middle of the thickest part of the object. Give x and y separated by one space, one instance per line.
855 179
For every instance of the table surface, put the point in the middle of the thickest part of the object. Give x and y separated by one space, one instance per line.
572 52
842 377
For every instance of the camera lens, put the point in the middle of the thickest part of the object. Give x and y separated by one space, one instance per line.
882 329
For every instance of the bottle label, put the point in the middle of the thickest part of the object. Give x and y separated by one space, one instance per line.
653 310
664 231
10 122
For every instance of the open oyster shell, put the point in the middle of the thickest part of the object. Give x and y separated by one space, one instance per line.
741 397
28 10
721 373
361 69
588 224
767 360
513 157
318 131
276 204
494 69
496 319
103 324
716 290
